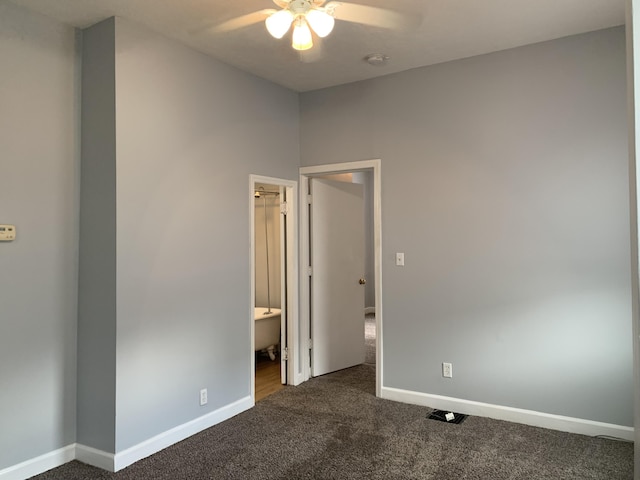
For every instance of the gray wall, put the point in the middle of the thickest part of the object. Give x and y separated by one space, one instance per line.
97 273
504 181
189 133
39 172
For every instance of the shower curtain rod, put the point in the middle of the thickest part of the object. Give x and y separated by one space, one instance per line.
261 191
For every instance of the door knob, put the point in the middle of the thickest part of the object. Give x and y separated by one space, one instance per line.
362 281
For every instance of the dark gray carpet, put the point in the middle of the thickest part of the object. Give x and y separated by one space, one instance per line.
333 427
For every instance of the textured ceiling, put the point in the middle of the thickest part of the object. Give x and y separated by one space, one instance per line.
449 30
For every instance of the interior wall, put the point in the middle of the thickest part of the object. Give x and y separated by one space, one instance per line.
273 229
39 169
97 269
505 183
186 146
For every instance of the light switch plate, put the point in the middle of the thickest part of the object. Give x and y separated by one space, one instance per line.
7 233
400 259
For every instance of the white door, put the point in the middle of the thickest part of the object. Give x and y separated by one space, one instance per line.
337 263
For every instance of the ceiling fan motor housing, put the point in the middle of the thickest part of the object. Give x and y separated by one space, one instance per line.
300 7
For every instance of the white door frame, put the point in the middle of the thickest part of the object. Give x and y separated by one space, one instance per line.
633 102
291 300
305 294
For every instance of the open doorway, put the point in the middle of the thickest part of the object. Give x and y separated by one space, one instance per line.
373 302
274 274
364 179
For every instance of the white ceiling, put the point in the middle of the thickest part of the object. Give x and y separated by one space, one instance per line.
450 29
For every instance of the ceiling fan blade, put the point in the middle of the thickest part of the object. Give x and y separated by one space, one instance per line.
373 16
241 21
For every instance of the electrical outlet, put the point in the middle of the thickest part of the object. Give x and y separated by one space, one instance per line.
447 370
203 396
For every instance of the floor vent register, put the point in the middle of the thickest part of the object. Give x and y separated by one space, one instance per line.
446 416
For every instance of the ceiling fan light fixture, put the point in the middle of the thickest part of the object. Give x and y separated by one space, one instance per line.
302 39
279 23
321 22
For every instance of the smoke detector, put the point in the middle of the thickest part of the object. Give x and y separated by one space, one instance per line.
376 59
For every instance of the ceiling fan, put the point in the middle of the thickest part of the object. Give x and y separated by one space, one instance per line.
315 15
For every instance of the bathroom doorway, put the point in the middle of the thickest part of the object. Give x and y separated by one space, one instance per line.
273 295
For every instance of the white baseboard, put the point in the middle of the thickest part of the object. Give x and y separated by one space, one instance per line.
113 463
369 310
298 378
95 457
38 465
510 414
159 442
